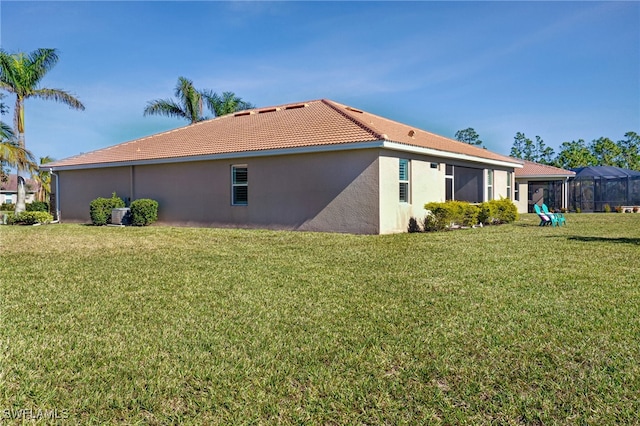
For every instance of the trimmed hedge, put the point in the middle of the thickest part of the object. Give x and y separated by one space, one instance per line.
30 218
144 212
100 209
37 206
443 215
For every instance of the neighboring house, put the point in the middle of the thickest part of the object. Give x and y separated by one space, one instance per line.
312 166
538 183
9 190
594 187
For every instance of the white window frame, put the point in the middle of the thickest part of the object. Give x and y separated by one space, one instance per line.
509 185
490 178
235 184
448 179
406 182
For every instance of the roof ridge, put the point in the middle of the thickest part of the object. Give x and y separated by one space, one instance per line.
353 119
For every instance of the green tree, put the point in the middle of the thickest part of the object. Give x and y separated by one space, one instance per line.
523 147
630 151
575 154
21 74
605 151
43 177
544 154
190 102
468 135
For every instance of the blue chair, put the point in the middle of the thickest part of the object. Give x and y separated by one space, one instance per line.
560 220
544 218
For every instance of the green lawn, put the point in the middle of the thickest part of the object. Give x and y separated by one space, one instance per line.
514 324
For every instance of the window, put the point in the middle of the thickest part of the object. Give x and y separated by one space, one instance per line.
239 186
489 184
509 186
448 182
516 192
8 199
404 180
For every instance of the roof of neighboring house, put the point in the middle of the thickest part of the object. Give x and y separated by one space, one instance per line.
281 129
606 172
11 185
537 170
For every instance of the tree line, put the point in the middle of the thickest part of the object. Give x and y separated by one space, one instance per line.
21 75
624 153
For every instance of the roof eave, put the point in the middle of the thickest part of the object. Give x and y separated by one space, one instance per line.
396 146
382 143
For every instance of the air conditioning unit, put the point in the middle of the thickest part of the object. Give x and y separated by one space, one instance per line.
121 216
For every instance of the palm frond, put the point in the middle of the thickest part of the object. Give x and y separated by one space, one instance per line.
16 156
6 132
166 107
59 96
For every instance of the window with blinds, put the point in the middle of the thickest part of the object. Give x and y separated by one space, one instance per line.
404 180
239 185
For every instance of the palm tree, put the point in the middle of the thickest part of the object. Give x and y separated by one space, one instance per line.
12 154
43 178
189 105
21 74
228 103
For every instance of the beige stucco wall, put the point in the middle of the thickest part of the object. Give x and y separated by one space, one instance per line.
79 187
523 203
354 191
335 191
500 177
426 185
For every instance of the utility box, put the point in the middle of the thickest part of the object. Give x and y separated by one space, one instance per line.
121 216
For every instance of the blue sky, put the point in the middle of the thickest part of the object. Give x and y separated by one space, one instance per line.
560 70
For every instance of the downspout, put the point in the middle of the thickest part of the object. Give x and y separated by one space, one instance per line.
130 185
57 196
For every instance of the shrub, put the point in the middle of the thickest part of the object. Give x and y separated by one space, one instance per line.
487 213
635 209
607 208
8 207
434 221
413 226
498 211
144 212
37 206
30 218
578 210
463 213
100 209
618 209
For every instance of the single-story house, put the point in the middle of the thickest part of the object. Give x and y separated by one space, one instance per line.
9 190
312 166
539 183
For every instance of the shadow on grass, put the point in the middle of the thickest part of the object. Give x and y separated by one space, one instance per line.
622 240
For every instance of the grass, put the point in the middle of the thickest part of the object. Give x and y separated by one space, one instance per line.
514 324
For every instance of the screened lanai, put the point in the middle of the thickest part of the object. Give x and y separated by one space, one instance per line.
594 187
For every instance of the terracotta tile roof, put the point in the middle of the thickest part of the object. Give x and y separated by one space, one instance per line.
531 169
11 185
314 123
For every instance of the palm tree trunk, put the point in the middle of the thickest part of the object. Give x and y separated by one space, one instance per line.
22 173
19 123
